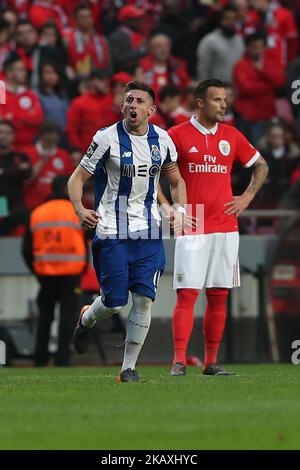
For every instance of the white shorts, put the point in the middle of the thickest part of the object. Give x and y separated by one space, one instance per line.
207 260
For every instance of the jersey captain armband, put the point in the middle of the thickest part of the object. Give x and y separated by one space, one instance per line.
169 168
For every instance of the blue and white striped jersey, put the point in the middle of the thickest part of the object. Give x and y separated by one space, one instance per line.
126 169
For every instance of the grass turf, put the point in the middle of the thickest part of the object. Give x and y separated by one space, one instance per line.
85 408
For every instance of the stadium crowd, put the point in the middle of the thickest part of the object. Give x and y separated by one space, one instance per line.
64 66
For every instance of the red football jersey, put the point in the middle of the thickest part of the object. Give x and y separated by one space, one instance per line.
59 163
205 159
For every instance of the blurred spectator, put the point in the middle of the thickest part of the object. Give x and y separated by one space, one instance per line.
282 157
218 51
185 22
95 5
128 40
229 117
48 160
86 48
33 53
119 80
54 248
138 73
279 24
246 24
75 155
27 44
160 67
52 47
46 11
256 77
15 169
21 7
167 114
22 105
91 111
52 95
11 17
188 103
5 47
118 84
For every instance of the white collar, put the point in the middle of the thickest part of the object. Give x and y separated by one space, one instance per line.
134 135
201 128
18 91
40 149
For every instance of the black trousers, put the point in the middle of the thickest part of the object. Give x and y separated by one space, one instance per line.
65 291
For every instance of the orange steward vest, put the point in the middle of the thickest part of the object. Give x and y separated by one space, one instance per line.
58 241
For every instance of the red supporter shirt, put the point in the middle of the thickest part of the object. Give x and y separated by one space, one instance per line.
205 159
281 28
23 108
255 88
86 115
40 189
83 57
175 72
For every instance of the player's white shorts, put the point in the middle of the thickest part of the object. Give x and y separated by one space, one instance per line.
207 260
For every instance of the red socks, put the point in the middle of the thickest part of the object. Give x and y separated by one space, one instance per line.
183 319
214 323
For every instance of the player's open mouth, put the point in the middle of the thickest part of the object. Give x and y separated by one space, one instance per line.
133 114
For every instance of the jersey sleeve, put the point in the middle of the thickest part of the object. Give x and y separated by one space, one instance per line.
288 24
171 156
98 150
246 154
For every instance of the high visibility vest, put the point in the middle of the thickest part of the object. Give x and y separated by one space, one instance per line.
58 241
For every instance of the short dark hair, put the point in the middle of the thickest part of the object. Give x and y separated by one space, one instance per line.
4 122
140 86
229 8
50 127
257 36
82 6
51 26
24 22
59 184
3 24
168 91
10 60
204 85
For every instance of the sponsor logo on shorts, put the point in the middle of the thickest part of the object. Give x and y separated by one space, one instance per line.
179 277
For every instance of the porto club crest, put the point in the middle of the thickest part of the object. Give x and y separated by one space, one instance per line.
155 153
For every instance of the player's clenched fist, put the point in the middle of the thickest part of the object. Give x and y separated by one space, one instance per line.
88 218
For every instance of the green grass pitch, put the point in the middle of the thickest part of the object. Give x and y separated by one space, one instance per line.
85 408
